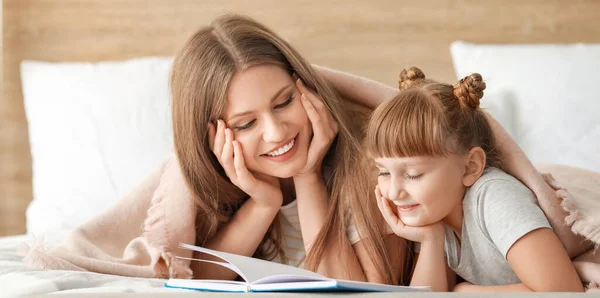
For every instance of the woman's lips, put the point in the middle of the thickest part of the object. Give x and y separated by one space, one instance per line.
285 156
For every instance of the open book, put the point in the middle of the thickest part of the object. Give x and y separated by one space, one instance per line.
265 276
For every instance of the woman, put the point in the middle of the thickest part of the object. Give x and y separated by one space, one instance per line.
252 139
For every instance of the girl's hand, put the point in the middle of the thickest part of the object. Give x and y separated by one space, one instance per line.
265 190
324 127
430 232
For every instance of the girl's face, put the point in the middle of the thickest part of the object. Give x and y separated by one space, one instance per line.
265 114
424 190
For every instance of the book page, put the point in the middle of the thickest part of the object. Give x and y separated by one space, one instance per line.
224 264
208 285
252 270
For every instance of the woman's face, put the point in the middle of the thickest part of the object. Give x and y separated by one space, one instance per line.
265 114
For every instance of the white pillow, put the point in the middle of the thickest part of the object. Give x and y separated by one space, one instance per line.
95 129
544 95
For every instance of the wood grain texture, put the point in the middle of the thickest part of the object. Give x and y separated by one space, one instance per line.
375 39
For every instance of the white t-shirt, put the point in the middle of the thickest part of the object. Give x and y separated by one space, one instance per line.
497 211
292 243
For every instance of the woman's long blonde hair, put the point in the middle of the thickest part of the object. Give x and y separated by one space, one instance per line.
200 76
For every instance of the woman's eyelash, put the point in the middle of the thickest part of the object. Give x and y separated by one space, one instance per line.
285 103
383 174
279 106
245 126
416 177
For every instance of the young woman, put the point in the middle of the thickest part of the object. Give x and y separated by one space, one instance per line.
274 158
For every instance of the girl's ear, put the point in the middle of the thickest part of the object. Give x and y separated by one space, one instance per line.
474 166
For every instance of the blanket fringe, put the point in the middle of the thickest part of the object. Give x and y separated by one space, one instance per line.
579 223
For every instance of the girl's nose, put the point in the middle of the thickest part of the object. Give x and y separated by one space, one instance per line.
396 190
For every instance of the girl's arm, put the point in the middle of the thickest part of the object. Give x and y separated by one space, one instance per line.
371 93
540 262
241 235
313 200
431 268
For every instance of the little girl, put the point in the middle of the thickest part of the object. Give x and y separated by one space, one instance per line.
441 185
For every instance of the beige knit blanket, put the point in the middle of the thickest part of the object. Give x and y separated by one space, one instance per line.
139 236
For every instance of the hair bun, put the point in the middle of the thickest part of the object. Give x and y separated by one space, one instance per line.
469 90
411 77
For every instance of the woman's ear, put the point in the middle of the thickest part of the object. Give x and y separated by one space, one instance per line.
474 166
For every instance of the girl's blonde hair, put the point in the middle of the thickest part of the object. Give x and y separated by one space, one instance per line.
428 118
200 77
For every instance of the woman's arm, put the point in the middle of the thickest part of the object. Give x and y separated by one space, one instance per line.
359 90
242 236
518 165
313 200
540 262
396 249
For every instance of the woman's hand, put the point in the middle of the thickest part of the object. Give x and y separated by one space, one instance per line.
265 190
430 232
324 127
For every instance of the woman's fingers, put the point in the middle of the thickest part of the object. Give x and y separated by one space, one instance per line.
219 139
311 112
211 135
323 125
227 156
244 177
320 141
330 125
314 99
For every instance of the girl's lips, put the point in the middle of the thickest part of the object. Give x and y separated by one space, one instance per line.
285 156
407 208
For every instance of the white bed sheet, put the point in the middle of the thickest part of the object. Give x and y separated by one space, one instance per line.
16 280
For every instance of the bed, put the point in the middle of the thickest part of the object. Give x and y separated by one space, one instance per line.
92 45
16 280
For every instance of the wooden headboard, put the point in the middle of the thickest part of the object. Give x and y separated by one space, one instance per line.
371 38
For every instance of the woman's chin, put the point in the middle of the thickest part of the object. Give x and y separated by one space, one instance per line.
285 170
281 172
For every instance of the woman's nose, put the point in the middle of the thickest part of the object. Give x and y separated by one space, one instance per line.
275 131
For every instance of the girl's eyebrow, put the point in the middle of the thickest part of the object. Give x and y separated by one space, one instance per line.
275 96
